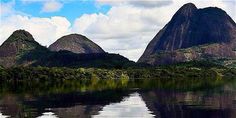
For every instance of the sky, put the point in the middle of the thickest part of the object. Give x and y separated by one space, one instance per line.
119 26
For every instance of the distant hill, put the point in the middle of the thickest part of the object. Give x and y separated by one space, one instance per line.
76 43
20 49
194 34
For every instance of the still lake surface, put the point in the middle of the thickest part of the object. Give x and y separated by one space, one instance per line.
214 103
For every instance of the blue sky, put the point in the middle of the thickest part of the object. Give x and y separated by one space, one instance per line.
71 9
118 26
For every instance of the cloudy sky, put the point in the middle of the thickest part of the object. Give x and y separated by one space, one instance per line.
118 26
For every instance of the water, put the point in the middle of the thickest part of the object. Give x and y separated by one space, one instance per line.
48 115
132 106
3 116
120 104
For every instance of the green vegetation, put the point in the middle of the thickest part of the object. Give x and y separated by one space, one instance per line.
44 80
73 60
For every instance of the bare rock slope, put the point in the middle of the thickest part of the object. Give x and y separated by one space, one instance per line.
193 34
76 43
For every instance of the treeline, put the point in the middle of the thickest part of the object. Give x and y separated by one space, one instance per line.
46 73
44 80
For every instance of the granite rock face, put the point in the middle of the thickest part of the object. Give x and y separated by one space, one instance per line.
77 44
193 34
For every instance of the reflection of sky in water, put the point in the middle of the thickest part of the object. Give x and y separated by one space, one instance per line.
132 106
3 116
47 115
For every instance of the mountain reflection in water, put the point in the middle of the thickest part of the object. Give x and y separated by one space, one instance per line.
152 103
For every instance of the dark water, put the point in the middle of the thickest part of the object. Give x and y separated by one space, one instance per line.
219 103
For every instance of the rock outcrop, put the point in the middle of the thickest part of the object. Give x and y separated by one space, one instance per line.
77 44
193 34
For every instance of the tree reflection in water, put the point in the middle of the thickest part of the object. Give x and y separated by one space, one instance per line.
149 103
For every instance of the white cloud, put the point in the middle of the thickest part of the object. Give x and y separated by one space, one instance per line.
44 30
6 8
126 28
137 3
51 6
150 3
81 24
129 25
47 5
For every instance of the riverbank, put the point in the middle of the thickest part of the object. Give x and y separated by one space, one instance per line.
45 80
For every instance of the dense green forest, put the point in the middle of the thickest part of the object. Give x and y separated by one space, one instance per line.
183 76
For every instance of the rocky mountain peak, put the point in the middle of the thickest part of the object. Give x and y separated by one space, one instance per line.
20 35
76 43
75 36
17 44
186 10
19 40
189 29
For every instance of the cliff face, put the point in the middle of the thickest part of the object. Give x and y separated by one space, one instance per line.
193 34
76 43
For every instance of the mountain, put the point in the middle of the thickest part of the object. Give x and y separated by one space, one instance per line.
76 43
18 44
193 34
20 49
